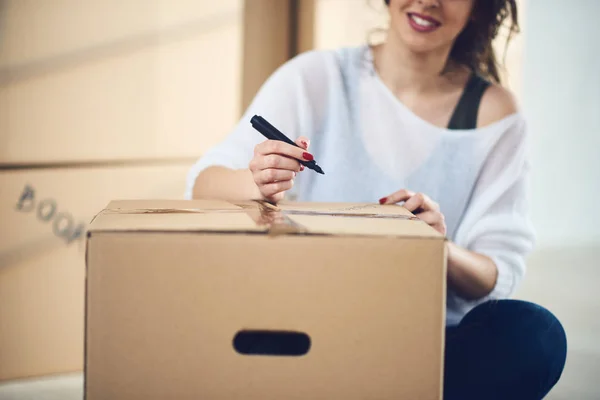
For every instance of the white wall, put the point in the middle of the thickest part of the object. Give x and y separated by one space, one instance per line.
561 96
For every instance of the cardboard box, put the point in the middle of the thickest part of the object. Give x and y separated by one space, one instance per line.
118 80
174 290
44 216
268 32
329 24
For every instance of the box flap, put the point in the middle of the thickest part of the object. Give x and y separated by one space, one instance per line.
164 206
173 215
285 218
357 219
360 225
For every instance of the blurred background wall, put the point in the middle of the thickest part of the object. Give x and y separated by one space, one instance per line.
561 96
108 99
561 72
115 80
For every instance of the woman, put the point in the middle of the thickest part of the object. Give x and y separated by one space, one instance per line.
420 120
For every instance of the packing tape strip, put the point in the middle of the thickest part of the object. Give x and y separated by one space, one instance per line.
169 211
351 215
278 222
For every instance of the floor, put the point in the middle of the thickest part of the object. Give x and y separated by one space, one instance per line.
63 387
563 280
566 281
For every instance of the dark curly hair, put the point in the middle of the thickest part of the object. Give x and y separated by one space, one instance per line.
473 46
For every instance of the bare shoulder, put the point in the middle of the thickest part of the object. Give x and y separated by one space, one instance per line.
497 103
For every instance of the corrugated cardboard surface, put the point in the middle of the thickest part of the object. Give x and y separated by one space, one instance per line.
117 80
163 305
44 216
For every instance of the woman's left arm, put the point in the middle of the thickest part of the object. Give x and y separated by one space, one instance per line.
472 275
486 259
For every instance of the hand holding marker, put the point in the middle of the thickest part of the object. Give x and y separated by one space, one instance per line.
277 160
272 133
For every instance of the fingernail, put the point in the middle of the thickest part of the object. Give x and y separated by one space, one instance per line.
301 167
382 200
294 174
308 156
304 143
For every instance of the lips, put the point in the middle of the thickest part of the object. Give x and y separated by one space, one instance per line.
423 23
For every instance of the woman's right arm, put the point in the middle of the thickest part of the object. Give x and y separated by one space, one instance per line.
245 166
225 183
270 174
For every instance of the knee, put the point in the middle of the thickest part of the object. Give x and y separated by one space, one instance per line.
549 339
527 343
540 335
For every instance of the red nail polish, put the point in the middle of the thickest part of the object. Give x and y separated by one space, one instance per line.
308 156
382 200
301 167
304 143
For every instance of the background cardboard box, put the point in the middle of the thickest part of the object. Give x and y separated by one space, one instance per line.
117 80
172 285
44 214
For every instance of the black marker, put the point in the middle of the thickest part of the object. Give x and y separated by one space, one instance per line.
272 133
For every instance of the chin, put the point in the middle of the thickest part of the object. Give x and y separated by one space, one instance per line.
422 43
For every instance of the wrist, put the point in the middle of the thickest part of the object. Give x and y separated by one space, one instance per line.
471 274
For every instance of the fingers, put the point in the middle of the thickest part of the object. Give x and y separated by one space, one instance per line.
421 205
272 189
434 219
413 201
275 165
274 161
421 201
276 198
273 175
303 142
272 147
401 195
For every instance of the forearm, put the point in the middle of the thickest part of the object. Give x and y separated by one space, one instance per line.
470 274
227 184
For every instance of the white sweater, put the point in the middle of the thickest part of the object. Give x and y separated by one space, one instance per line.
370 145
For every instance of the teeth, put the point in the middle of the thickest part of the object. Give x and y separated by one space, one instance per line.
421 21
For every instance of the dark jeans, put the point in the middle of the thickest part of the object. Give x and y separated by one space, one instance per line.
506 349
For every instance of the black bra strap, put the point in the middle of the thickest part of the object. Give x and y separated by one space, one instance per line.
465 113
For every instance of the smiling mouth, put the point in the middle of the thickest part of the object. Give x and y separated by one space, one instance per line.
423 23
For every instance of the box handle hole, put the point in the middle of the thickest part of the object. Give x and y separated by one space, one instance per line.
271 343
